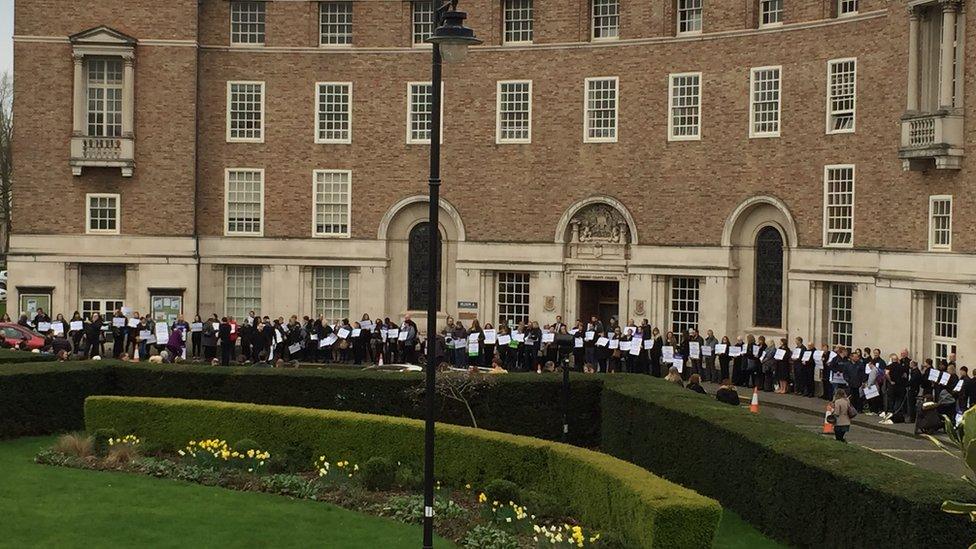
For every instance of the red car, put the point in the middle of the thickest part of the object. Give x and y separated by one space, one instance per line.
13 334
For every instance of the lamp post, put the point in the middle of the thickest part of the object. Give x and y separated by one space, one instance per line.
450 41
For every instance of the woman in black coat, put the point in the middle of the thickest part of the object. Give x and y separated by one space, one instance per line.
93 335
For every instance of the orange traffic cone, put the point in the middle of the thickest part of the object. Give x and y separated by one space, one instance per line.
754 407
380 363
135 353
828 427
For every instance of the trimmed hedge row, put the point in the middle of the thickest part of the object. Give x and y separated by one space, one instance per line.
9 356
796 486
523 404
37 399
606 493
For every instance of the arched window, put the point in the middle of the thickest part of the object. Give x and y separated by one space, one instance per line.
769 278
418 266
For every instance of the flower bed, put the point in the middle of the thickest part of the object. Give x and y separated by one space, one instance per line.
603 492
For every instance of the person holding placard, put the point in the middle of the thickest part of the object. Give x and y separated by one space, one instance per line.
93 336
476 337
712 372
459 337
118 331
870 391
694 344
654 353
783 367
724 360
408 338
208 339
489 341
226 345
531 346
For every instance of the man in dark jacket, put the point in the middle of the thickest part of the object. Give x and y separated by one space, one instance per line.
226 345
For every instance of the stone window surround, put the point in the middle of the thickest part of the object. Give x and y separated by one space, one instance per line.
830 111
318 113
934 246
118 213
587 138
315 203
499 140
754 133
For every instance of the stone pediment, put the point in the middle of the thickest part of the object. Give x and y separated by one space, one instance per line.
102 36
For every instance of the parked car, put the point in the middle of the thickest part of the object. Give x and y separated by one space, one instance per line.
13 334
3 294
3 277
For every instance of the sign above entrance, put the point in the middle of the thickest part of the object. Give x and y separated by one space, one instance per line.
467 304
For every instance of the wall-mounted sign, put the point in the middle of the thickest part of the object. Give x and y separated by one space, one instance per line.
467 304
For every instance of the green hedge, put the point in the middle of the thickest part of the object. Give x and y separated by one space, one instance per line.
9 356
604 492
38 399
523 404
796 486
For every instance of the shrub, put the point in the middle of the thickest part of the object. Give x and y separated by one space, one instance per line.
489 537
379 473
121 454
45 398
600 490
100 440
410 509
77 445
502 491
796 486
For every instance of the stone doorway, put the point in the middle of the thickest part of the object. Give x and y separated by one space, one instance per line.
600 298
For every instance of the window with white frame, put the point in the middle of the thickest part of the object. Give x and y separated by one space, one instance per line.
335 23
242 290
846 7
689 16
330 292
685 303
770 12
513 297
841 315
245 112
518 21
839 206
601 110
419 107
606 19
104 307
764 104
244 208
684 106
423 21
332 203
104 93
247 23
945 319
514 104
102 214
333 117
841 95
940 222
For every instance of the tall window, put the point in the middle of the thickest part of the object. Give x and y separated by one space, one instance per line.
684 105
244 210
841 95
330 291
104 90
332 202
242 287
335 23
940 222
842 315
513 297
606 19
764 106
770 12
423 21
839 206
103 307
769 278
946 324
518 21
684 303
419 266
102 214
601 110
245 112
333 118
689 16
846 7
247 23
514 112
419 111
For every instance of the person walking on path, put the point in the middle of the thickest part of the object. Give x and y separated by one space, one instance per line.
843 414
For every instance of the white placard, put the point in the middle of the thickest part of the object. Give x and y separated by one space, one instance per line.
473 338
44 327
343 333
77 325
366 325
837 377
933 375
145 334
871 392
678 363
216 326
807 355
402 336
574 331
126 311
614 343
58 328
625 345
831 356
707 351
818 356
195 327
635 348
649 343
958 386
278 337
631 330
313 337
602 342
735 351
755 351
548 337
356 332
797 353
118 321
473 349
577 343
150 340
294 348
519 337
491 336
867 369
393 333
134 323
504 339
162 339
589 335
694 349
328 341
944 379
780 354
667 354
721 348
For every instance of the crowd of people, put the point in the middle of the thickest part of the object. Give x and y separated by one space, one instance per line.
892 387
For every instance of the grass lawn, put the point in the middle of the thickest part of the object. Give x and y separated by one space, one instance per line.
735 533
46 506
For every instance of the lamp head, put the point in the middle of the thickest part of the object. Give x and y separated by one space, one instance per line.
453 38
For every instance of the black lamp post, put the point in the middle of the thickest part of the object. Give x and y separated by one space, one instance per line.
450 42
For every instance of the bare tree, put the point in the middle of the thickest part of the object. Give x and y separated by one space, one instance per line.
6 154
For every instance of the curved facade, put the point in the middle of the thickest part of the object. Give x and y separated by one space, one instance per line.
615 164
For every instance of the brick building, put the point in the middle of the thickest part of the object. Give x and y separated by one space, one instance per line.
767 166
